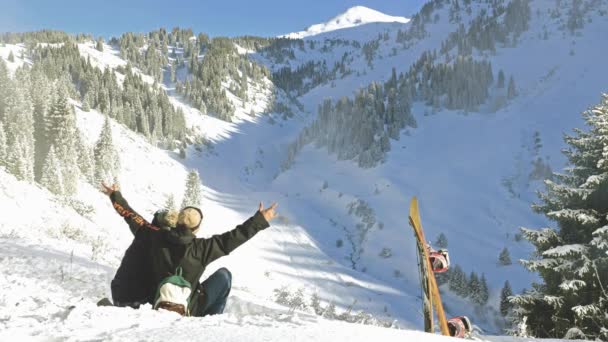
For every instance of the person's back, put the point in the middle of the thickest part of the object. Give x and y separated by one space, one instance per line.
166 250
181 248
133 283
131 286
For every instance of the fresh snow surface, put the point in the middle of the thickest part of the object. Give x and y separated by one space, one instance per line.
52 258
46 296
108 58
17 49
354 16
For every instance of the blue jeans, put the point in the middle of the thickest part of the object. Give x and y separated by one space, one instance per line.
215 290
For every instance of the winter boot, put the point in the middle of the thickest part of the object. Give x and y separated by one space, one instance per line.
459 326
440 260
105 302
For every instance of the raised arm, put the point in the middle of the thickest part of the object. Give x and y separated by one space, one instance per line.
133 219
220 245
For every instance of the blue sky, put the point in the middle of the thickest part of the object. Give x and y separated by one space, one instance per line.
220 17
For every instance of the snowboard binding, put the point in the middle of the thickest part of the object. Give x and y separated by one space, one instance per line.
459 326
440 260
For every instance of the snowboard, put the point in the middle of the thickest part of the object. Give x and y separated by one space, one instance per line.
431 295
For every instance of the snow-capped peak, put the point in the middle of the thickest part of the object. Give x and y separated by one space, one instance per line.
354 16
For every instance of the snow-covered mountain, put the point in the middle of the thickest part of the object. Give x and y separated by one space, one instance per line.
343 232
354 16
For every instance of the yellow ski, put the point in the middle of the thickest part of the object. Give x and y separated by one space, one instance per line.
429 284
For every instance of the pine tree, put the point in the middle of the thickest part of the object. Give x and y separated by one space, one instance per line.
42 98
5 82
172 73
442 278
192 195
86 162
170 203
3 147
511 91
572 259
504 258
20 127
505 305
330 311
474 286
315 304
107 163
501 79
484 291
86 106
52 175
99 44
442 241
11 57
61 132
458 281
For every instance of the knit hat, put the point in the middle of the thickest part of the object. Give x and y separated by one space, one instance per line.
166 219
190 217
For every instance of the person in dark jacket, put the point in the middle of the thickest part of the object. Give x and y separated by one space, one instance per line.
133 283
179 247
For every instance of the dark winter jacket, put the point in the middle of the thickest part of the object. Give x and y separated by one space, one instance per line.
133 283
180 247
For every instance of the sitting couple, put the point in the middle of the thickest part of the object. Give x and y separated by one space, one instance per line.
169 242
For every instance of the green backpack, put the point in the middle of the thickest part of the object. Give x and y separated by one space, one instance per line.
174 294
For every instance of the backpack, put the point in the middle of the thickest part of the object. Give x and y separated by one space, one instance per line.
174 293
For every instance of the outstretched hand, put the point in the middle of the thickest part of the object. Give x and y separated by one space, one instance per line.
108 190
268 213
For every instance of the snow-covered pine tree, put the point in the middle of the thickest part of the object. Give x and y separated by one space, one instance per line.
458 281
484 291
99 44
20 127
505 304
330 311
19 162
170 203
11 57
501 79
3 147
172 73
143 124
86 105
504 258
315 304
42 98
572 259
107 163
474 287
52 173
4 84
192 195
442 241
86 162
61 132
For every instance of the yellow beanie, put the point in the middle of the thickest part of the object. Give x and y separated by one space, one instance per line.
189 218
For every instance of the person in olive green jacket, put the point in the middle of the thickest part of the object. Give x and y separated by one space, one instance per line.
179 247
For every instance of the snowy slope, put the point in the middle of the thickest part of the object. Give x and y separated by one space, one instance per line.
69 243
455 163
108 58
354 16
47 292
16 50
